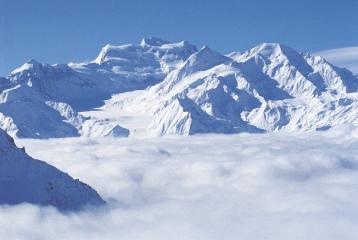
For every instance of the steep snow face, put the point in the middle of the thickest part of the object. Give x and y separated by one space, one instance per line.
24 179
62 83
267 88
24 113
200 97
300 75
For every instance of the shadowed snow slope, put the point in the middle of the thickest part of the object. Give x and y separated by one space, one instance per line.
187 91
24 179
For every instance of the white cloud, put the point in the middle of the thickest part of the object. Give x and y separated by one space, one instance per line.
265 186
343 57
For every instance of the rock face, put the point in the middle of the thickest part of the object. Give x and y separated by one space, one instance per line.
188 91
26 180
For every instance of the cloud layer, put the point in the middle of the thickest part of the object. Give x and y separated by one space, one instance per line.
265 186
343 57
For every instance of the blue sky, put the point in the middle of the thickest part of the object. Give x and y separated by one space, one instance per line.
60 31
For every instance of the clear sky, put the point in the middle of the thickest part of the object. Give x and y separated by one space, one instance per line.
60 31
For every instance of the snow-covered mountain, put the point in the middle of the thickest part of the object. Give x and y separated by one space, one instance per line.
41 101
116 69
24 179
270 87
187 91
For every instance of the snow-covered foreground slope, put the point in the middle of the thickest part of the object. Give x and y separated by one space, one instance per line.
161 88
274 186
26 180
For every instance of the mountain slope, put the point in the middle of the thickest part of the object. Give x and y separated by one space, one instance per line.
23 179
25 113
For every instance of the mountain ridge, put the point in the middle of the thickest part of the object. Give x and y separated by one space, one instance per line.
27 180
185 91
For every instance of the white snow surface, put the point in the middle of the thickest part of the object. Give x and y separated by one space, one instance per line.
26 180
275 186
160 88
70 88
268 88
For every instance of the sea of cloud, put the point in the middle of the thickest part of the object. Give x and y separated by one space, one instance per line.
264 186
343 57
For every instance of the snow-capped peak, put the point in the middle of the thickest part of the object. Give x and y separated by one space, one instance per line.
32 63
204 59
271 51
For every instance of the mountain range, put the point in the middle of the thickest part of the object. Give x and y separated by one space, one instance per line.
157 88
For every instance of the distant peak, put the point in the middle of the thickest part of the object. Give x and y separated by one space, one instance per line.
204 59
273 51
153 41
205 53
31 63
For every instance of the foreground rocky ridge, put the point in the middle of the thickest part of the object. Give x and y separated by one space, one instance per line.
26 180
187 91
